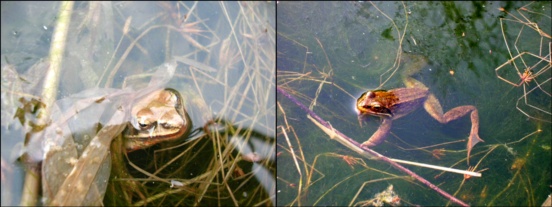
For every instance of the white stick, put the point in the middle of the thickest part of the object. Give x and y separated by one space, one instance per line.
476 174
351 146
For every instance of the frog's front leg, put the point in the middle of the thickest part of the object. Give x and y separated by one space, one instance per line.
380 134
433 107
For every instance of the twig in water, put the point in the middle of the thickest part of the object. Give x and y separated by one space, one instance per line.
368 152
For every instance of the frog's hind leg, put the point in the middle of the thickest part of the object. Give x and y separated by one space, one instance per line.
431 104
413 83
461 111
415 64
474 133
433 107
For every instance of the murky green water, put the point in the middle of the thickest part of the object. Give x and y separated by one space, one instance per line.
226 56
358 44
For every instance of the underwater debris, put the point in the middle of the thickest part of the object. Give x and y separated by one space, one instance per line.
388 196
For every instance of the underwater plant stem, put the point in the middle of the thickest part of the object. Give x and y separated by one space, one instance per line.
49 93
370 152
57 50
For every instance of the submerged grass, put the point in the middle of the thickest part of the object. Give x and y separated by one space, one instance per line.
313 170
213 168
226 74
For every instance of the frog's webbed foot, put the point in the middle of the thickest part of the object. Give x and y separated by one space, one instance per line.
472 140
474 133
380 134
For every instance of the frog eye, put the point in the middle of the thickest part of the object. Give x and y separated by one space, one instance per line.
144 124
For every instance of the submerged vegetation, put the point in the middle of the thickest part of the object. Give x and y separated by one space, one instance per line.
326 68
224 59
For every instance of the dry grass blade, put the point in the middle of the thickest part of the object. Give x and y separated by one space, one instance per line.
397 62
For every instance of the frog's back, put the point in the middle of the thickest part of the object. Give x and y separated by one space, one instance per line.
409 99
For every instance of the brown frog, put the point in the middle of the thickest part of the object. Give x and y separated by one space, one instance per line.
158 117
396 103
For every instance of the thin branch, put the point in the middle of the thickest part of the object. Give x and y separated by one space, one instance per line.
369 152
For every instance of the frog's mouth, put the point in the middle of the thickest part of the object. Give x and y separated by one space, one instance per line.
375 111
156 131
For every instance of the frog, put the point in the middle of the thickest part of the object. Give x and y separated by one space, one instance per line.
396 103
160 117
157 117
83 126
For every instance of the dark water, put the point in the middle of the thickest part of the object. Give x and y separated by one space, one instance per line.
356 44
